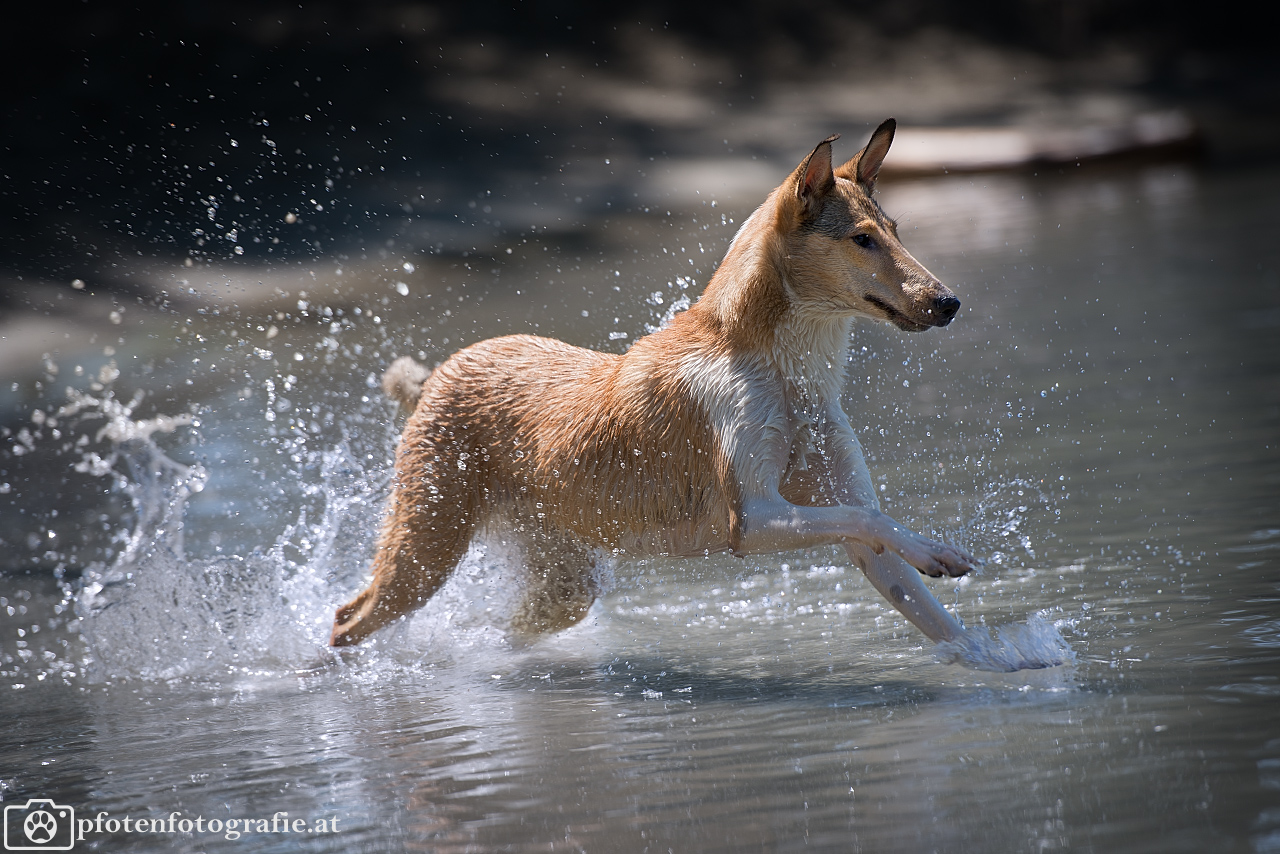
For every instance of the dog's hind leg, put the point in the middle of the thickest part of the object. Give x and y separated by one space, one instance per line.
409 567
560 586
427 531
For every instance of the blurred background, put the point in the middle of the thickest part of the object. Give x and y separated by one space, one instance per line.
176 178
125 125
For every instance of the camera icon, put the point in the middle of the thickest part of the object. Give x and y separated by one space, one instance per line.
39 825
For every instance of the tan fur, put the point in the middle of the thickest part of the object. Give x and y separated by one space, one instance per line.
721 432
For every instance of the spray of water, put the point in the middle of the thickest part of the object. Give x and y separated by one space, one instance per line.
999 520
153 612
997 527
1035 644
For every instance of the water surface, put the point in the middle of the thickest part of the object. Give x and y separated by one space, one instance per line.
1100 423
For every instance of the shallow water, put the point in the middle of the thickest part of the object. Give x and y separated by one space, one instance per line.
1100 423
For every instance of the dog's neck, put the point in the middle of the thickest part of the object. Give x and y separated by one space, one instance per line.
812 353
746 298
752 309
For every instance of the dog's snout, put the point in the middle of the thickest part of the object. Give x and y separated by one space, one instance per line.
945 308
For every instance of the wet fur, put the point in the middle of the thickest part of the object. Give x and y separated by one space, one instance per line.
720 432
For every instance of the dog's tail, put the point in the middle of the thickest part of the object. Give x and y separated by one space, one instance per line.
403 381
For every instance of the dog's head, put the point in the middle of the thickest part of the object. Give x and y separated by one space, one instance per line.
844 255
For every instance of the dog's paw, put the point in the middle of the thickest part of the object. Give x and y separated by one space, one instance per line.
953 562
933 558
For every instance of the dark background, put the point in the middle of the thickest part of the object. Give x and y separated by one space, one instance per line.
118 119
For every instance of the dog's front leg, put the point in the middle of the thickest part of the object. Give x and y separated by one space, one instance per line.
772 524
896 580
899 582
851 483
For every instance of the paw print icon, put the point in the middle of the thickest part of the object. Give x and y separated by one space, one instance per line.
39 825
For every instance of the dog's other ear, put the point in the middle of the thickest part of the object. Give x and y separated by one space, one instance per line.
864 167
814 179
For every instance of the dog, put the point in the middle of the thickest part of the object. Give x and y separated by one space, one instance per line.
723 431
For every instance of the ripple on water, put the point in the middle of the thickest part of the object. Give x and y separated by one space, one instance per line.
1266 635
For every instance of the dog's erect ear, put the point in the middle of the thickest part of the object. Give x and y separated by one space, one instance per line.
865 165
813 178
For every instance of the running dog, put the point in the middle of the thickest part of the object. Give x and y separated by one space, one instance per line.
723 431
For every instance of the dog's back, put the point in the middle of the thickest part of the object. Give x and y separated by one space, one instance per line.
610 449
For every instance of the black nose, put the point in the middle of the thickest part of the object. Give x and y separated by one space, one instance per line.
945 308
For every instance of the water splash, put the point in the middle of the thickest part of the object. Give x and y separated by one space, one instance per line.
153 612
156 613
997 526
157 487
1033 645
674 303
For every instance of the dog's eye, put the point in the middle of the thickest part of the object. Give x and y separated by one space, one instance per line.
866 241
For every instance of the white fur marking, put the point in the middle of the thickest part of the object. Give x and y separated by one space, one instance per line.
744 401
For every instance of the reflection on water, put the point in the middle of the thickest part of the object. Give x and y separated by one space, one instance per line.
1100 424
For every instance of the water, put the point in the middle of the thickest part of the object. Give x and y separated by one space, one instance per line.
1100 423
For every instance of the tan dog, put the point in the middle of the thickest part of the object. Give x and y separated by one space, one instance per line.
721 432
